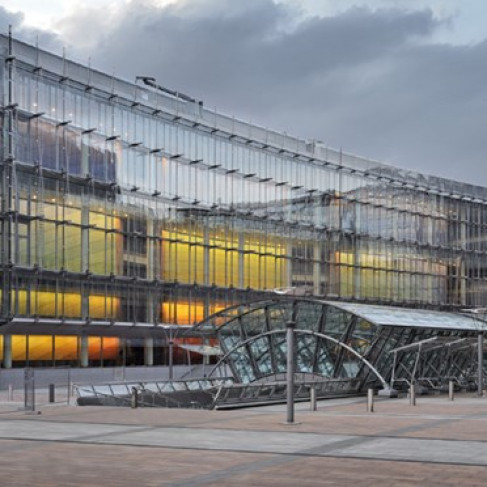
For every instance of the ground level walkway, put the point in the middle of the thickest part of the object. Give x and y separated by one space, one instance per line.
436 442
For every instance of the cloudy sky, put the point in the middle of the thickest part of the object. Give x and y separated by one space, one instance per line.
400 81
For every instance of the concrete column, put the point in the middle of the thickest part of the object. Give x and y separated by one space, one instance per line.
149 351
84 357
7 351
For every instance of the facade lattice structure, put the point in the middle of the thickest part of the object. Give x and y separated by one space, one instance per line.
125 208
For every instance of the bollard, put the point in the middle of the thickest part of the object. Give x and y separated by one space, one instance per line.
70 387
134 402
29 390
312 399
10 392
70 391
51 392
450 390
370 400
412 396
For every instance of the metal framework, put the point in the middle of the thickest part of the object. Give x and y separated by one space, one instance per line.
334 352
228 354
335 340
436 362
124 207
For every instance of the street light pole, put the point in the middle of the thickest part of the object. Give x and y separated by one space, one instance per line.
290 371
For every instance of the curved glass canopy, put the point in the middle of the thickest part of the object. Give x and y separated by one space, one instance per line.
252 338
416 318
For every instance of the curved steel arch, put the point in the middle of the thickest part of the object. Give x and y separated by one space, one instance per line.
305 332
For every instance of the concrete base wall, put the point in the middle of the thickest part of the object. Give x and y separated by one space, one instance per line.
62 376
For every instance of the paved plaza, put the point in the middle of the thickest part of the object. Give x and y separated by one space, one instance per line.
436 442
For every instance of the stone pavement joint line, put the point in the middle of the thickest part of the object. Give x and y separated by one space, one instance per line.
229 473
435 443
273 442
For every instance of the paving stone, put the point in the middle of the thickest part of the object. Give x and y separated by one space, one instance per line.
434 443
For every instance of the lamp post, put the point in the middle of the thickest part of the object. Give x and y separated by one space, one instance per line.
290 371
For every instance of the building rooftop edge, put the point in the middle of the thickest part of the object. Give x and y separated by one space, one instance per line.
312 149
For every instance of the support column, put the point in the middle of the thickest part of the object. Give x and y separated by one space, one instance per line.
7 351
149 351
84 357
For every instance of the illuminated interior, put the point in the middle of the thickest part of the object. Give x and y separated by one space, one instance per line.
123 213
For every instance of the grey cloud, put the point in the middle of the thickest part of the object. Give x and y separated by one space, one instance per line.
369 81
46 39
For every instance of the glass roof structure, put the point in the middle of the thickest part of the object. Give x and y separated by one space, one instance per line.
338 341
376 314
417 318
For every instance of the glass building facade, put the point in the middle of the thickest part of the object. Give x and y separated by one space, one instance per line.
124 208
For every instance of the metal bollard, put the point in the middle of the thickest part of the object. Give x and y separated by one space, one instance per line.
10 392
450 390
312 399
412 396
370 400
52 392
134 402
